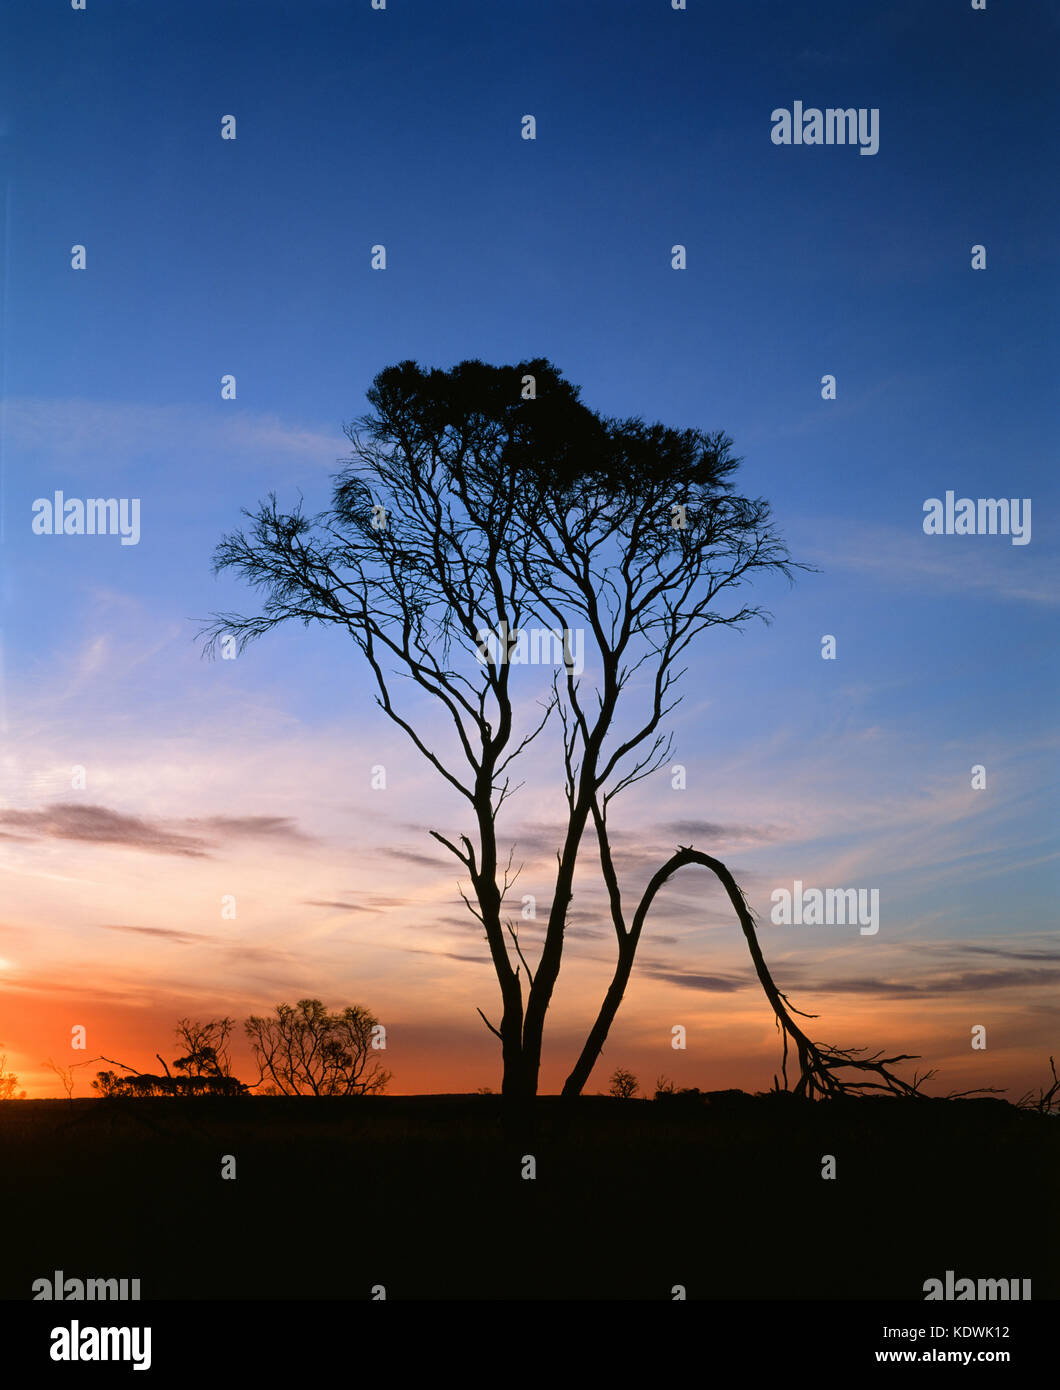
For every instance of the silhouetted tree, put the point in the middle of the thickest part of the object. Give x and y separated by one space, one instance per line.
470 508
207 1054
204 1070
66 1074
305 1050
624 1084
9 1083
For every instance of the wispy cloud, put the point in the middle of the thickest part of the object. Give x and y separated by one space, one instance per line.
691 831
1007 954
251 827
68 820
102 826
969 982
76 432
186 937
340 906
908 559
411 856
713 984
449 955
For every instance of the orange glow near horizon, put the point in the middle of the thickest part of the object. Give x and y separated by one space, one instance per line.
729 1045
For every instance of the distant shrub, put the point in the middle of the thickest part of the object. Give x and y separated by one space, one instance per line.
624 1084
108 1083
686 1095
9 1083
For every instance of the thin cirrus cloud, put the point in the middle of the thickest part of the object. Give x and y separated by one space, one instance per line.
689 831
969 982
253 827
713 984
185 937
341 907
906 557
484 959
71 430
1013 955
411 856
101 825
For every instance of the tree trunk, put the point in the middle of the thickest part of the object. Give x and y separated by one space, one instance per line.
575 1083
548 967
628 948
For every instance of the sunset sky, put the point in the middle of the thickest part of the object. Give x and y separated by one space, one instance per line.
251 256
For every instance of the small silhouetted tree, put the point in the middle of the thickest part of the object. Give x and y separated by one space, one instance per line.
9 1083
204 1070
207 1053
66 1074
107 1083
305 1050
624 1084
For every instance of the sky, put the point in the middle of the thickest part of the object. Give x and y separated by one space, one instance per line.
141 787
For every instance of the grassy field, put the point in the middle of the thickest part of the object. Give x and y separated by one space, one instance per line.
425 1196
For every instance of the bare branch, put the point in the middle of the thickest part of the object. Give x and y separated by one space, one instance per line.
489 1025
519 950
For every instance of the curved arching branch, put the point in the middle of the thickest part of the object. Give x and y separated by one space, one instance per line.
817 1064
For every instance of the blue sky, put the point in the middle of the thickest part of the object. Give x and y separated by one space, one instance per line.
251 257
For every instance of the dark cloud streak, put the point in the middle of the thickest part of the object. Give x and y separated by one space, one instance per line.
88 823
182 936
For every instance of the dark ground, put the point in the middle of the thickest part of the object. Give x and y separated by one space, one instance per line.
424 1195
